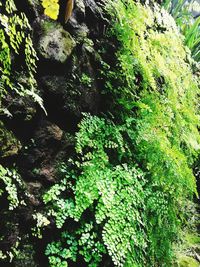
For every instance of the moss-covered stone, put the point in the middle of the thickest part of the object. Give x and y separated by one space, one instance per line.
55 43
10 146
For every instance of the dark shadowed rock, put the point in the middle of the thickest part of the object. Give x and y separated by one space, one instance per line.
38 160
80 7
35 6
93 8
48 173
48 132
34 187
31 7
22 107
34 191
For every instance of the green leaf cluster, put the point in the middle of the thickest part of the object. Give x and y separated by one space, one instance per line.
82 242
10 178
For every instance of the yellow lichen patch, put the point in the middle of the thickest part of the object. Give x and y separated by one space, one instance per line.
51 8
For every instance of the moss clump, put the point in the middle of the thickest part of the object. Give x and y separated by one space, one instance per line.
55 43
9 144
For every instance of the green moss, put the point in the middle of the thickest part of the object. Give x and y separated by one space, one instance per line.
48 25
9 144
53 33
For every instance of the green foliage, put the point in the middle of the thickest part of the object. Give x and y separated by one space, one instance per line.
132 171
165 96
81 243
10 181
13 197
189 240
10 178
160 106
86 80
41 222
11 253
190 27
60 207
14 37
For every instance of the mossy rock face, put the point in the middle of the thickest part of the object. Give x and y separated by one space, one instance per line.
186 261
10 146
55 43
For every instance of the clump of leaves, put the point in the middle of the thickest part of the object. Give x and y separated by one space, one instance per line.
10 179
81 243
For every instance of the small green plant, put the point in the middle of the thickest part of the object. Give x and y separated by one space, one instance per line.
10 183
11 253
10 178
86 80
41 222
81 243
